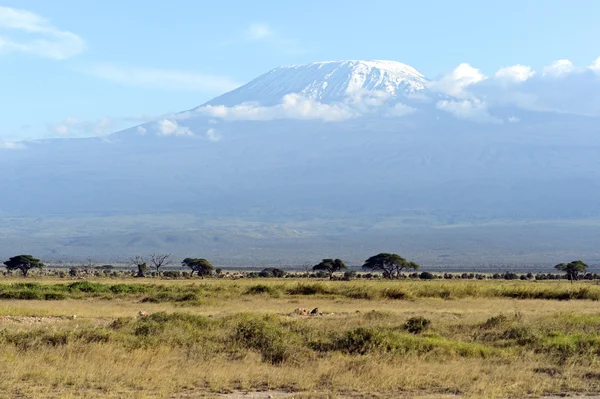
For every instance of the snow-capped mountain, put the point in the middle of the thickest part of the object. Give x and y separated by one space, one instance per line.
304 146
327 82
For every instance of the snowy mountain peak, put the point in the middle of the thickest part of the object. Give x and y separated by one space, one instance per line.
327 82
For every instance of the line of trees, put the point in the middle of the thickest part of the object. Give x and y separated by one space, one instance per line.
390 265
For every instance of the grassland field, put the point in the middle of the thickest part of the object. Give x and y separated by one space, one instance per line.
226 338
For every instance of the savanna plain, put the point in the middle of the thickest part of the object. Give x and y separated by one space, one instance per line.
195 338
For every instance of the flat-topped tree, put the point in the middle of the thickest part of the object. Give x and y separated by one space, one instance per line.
24 263
330 266
572 269
391 265
199 265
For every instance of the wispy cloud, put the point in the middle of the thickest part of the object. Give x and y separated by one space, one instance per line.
173 80
72 127
296 106
293 106
264 34
11 145
515 73
29 33
213 135
259 31
471 110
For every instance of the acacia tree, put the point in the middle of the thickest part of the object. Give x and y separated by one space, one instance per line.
159 260
199 265
24 263
141 265
330 266
572 269
391 265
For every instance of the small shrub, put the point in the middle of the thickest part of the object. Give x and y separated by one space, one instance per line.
29 294
262 289
494 322
88 287
172 274
393 293
359 341
266 337
522 334
129 288
54 296
417 325
308 289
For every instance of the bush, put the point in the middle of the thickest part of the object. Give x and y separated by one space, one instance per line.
521 334
172 274
28 294
262 289
129 288
272 272
87 286
426 276
360 341
350 274
417 324
393 293
175 329
309 289
54 296
266 337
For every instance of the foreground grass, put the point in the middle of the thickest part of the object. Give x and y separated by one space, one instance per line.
238 335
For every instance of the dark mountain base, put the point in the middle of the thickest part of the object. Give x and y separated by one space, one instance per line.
499 246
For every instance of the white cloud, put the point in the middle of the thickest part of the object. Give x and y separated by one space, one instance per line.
595 65
456 82
163 79
364 100
513 119
72 127
61 129
559 68
141 130
472 110
293 106
561 87
168 127
213 135
515 73
11 145
29 33
258 31
297 106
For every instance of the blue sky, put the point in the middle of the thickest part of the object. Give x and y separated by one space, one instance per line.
108 61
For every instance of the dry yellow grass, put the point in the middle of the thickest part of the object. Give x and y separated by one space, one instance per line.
117 369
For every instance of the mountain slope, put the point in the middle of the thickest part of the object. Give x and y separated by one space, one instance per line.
327 82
